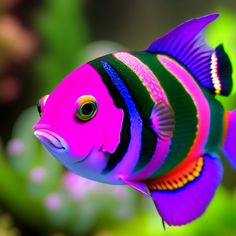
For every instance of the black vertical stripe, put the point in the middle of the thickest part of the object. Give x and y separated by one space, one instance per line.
144 104
119 102
148 136
149 143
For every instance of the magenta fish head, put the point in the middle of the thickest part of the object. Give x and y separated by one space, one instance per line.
79 124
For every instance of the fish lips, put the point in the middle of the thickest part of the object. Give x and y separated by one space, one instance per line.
51 140
57 146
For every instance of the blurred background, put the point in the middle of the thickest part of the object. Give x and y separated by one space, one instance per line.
41 42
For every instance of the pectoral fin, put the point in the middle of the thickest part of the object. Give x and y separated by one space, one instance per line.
162 120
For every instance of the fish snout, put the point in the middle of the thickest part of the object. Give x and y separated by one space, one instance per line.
50 139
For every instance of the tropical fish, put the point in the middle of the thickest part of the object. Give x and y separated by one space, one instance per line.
148 119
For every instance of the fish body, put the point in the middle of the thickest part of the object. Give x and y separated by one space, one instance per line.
148 119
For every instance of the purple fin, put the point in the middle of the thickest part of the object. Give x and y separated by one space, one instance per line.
186 43
229 147
162 120
185 204
141 187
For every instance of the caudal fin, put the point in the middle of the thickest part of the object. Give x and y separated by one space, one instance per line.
229 146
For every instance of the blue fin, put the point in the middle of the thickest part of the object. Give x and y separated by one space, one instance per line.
229 146
186 43
162 120
184 196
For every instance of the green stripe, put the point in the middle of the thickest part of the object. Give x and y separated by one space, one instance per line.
144 104
216 123
184 109
138 91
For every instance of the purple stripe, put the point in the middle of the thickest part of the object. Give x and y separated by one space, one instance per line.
131 157
152 84
162 149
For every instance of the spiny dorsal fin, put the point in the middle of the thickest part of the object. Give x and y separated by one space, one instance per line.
186 44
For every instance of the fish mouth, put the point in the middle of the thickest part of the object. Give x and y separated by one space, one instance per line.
51 140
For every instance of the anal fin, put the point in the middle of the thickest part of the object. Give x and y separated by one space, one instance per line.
184 196
139 186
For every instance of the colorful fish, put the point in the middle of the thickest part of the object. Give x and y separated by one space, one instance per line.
148 119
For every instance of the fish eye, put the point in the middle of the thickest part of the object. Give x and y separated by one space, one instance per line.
41 104
86 107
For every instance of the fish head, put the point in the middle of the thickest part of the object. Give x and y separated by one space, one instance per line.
80 124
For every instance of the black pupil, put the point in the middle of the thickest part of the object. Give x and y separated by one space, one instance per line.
87 109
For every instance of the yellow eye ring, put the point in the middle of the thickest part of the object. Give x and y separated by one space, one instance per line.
86 107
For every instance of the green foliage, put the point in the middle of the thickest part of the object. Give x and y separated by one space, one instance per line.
218 220
47 193
62 29
223 31
34 182
37 189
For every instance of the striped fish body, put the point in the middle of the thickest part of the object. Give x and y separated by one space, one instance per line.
153 79
149 120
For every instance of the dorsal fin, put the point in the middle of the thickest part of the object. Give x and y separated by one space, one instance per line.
186 44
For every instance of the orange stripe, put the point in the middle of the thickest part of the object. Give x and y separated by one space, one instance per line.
177 180
225 127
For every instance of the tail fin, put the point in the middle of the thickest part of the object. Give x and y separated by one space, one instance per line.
229 146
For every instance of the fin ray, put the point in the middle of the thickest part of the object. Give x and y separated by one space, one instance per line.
139 186
162 120
186 44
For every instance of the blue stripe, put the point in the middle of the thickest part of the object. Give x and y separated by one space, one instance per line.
131 157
